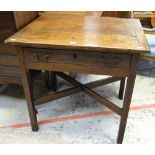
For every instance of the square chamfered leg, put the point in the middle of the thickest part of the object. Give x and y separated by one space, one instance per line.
121 89
50 80
27 90
53 80
127 97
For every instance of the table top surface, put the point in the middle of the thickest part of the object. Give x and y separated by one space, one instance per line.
82 33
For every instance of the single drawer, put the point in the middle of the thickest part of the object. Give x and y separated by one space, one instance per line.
9 60
78 58
6 71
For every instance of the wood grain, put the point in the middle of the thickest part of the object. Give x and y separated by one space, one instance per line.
81 13
119 14
77 57
9 60
78 43
7 71
83 32
128 96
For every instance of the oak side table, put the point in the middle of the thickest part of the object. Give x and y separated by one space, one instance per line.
91 45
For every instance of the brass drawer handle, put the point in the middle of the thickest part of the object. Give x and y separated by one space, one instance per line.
101 58
35 56
109 62
41 57
45 58
112 62
75 56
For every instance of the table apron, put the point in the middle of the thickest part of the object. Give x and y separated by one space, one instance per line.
87 69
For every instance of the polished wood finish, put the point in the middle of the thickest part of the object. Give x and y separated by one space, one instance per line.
81 13
119 14
153 21
95 45
84 33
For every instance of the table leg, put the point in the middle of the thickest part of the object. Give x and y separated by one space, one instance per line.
127 97
121 90
46 78
50 80
53 80
27 90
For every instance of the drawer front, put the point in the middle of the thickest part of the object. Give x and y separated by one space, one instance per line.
6 71
9 60
78 58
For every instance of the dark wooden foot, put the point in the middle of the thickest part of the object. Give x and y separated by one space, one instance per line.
127 97
28 91
35 127
121 90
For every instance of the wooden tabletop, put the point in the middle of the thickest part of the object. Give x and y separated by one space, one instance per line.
83 32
